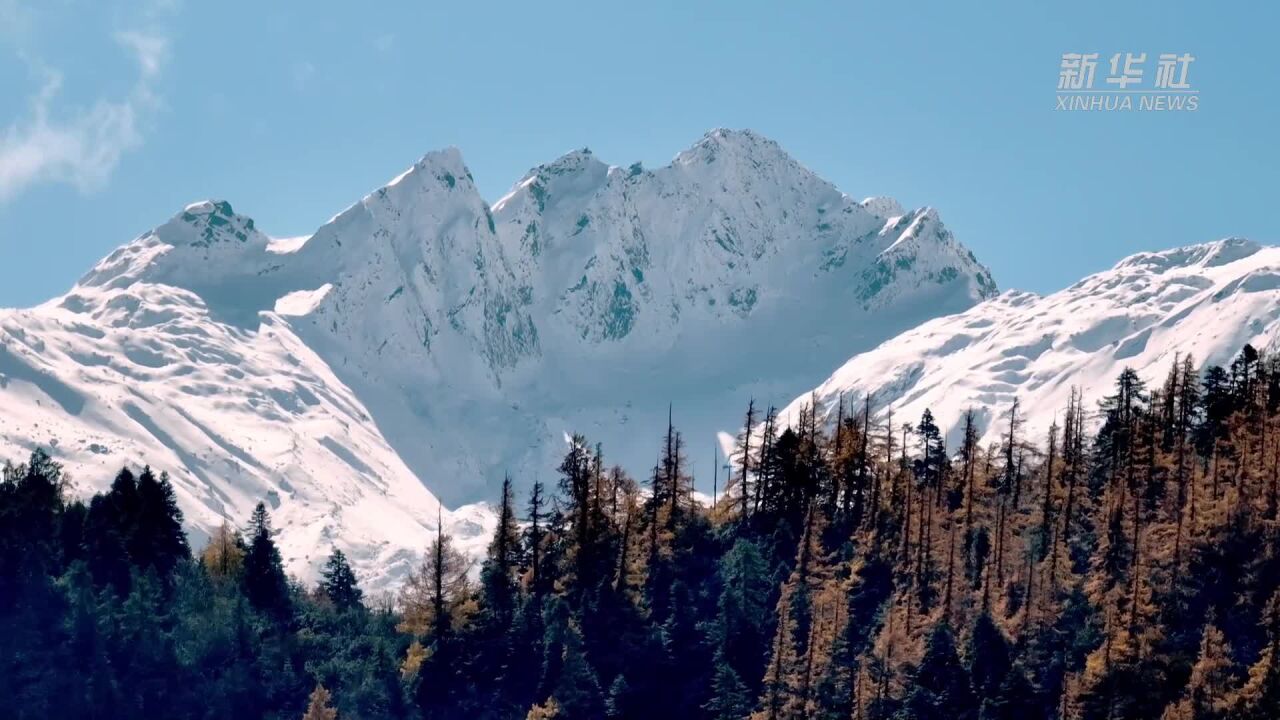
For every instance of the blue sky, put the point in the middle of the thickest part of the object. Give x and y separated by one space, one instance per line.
115 115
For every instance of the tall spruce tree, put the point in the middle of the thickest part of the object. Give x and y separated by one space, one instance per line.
157 540
338 582
497 574
262 577
939 686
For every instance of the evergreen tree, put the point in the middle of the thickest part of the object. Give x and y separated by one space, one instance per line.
338 582
142 651
577 690
497 574
620 700
730 698
104 544
742 452
262 578
556 624
940 686
157 540
741 630
988 657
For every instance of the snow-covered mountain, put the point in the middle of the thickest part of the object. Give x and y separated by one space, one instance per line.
423 343
1205 300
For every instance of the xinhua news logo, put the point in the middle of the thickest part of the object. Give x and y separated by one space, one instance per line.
1126 88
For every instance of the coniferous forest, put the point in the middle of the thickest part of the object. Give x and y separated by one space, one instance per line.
1121 565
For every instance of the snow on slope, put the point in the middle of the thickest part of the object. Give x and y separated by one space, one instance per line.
424 337
1207 300
140 374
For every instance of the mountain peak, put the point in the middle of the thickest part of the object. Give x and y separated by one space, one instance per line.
735 137
201 242
445 167
733 146
207 222
1205 255
883 207
574 167
423 335
577 172
572 159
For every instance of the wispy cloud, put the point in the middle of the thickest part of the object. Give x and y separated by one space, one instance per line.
150 49
81 146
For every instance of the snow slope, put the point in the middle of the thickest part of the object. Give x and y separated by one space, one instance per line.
1205 300
423 343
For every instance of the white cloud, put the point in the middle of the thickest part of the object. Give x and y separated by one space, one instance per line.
83 146
151 50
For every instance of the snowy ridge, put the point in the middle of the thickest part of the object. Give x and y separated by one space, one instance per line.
1204 300
143 375
423 343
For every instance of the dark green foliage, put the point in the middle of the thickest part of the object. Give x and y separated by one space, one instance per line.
577 690
864 573
988 657
742 627
265 585
497 575
105 616
156 540
338 582
940 686
730 697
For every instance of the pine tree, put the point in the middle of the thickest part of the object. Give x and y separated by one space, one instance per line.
988 656
556 624
87 647
1015 699
338 582
620 699
263 578
869 588
497 574
157 540
143 651
577 690
534 535
567 677
104 545
741 626
940 686
730 698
